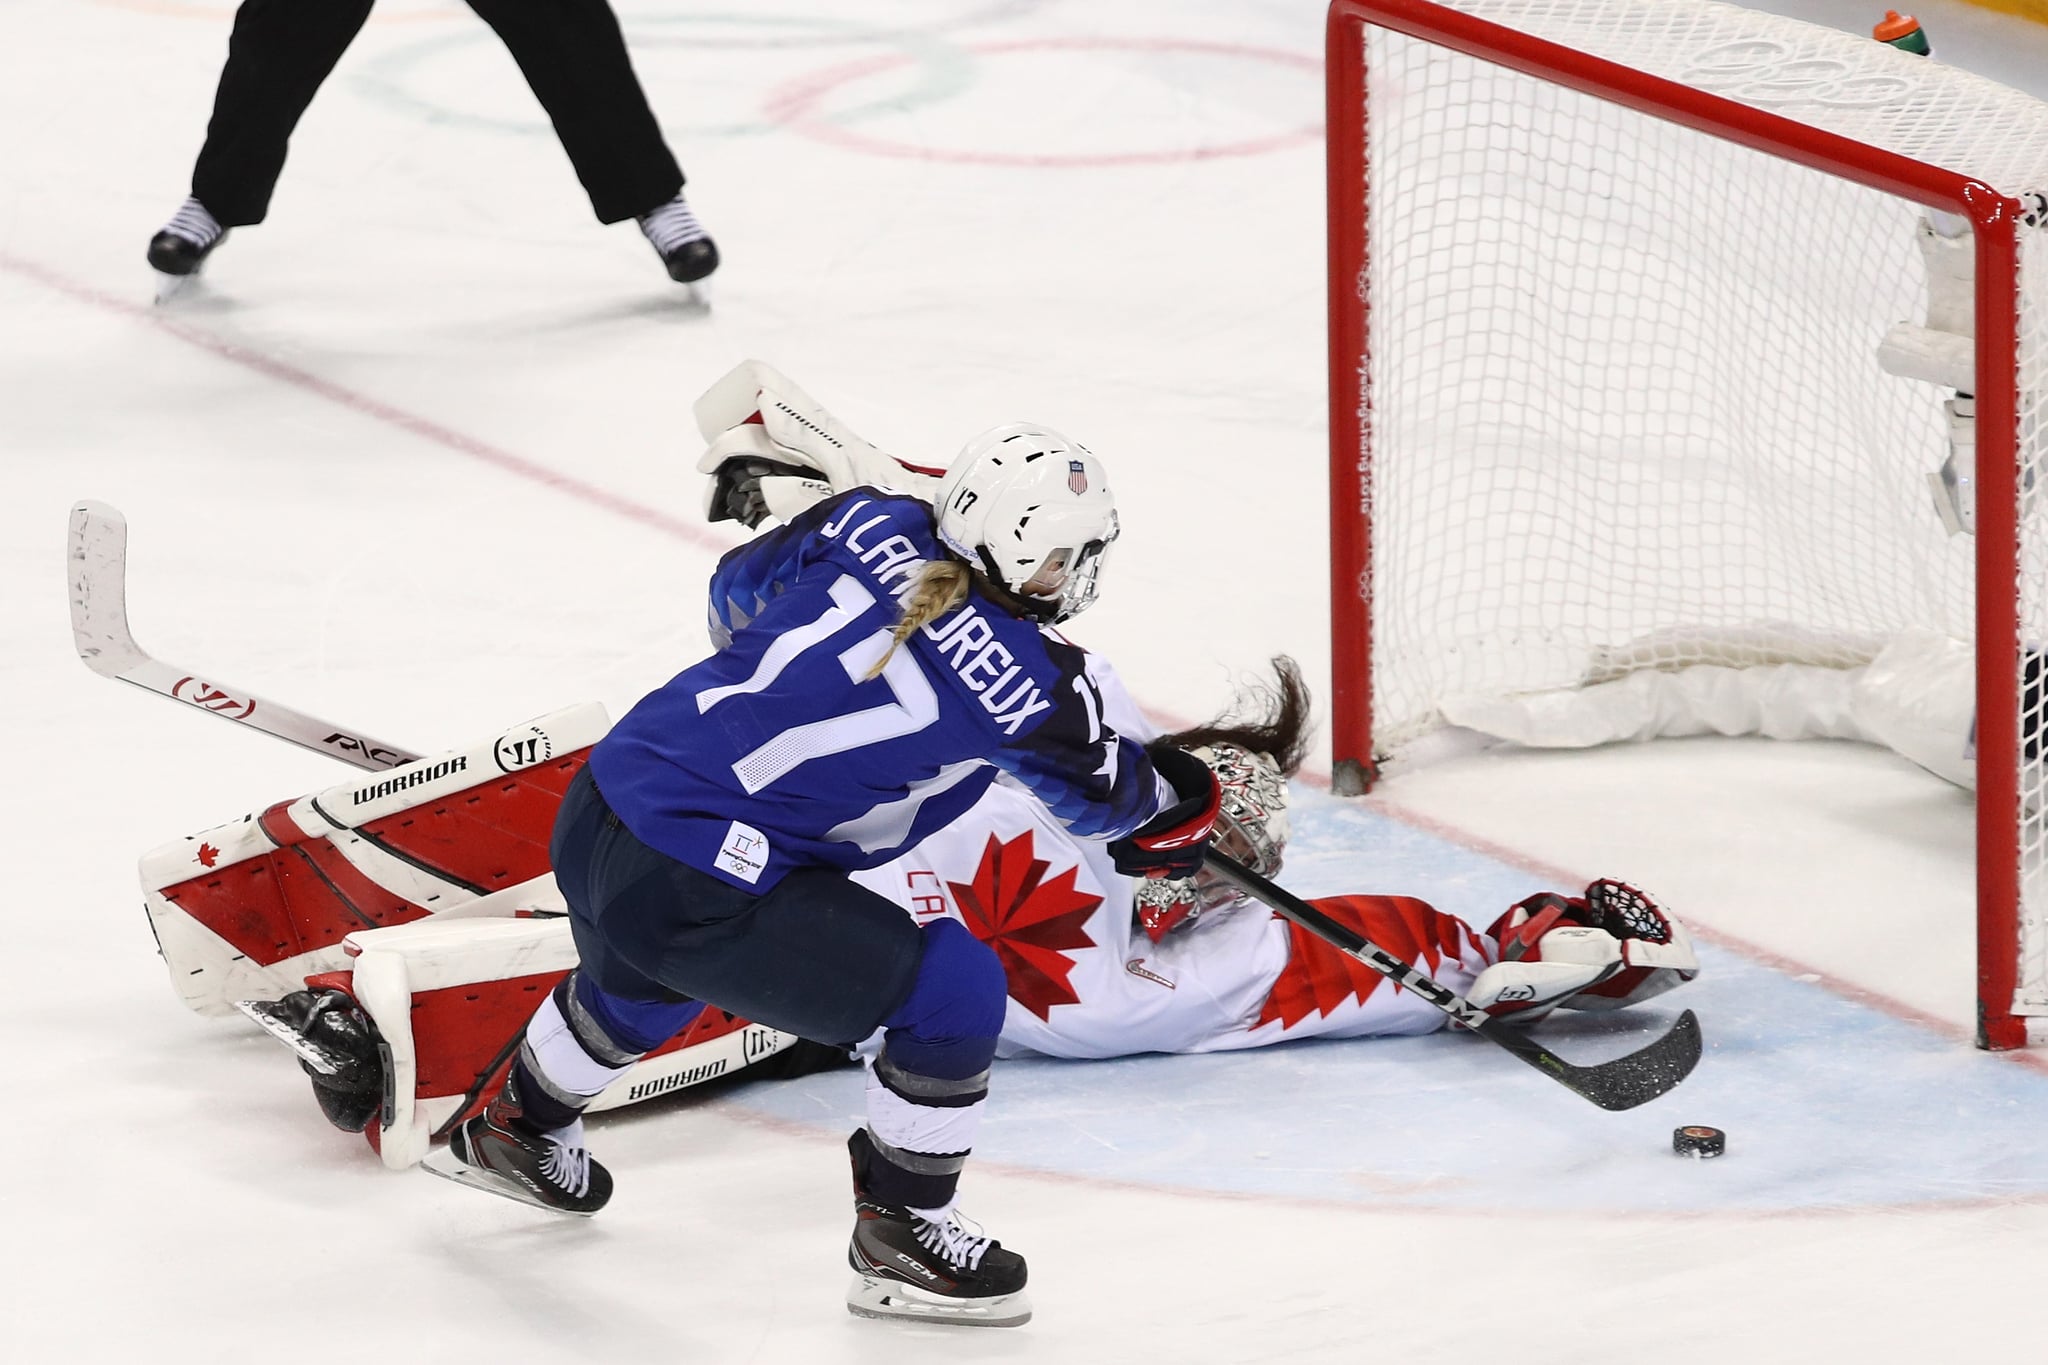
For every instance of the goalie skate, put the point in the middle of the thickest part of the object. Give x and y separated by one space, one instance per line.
281 1022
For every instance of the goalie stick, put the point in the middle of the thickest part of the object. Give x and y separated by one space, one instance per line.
99 628
1623 1083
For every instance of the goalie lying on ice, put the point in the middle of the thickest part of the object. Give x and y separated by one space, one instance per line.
373 916
403 928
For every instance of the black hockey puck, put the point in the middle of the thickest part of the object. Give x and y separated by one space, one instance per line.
1698 1140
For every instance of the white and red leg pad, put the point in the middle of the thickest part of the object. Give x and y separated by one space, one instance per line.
451 998
1611 948
247 910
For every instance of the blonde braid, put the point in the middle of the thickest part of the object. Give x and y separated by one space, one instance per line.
941 586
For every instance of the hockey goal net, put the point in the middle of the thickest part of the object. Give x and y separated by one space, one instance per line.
1609 281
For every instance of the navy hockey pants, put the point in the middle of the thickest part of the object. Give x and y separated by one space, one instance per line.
818 955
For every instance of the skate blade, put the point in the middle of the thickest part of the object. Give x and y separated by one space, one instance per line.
170 288
448 1166
890 1300
275 1022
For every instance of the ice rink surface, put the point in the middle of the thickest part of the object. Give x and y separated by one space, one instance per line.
417 456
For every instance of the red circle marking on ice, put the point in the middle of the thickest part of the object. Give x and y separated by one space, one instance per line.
795 104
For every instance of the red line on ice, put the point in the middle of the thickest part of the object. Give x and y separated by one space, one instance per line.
794 106
376 409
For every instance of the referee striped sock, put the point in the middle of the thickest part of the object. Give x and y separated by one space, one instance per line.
670 226
685 248
184 243
194 224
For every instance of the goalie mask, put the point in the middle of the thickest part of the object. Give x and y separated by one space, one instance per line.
1251 827
1032 510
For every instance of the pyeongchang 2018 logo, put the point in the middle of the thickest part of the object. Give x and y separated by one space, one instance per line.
1766 73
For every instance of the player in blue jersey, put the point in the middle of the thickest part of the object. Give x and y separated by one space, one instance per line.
881 660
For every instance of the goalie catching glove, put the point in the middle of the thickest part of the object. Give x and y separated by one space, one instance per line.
1611 948
773 451
1171 843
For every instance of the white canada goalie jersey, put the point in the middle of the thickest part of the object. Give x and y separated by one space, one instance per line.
1086 982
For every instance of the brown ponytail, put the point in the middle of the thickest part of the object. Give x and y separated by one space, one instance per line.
1267 719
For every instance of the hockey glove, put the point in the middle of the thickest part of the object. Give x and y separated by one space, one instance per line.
738 492
757 415
1171 843
1611 948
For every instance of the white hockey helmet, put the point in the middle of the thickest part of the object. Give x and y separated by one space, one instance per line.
1033 511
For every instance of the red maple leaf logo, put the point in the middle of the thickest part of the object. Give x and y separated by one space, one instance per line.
208 855
1033 924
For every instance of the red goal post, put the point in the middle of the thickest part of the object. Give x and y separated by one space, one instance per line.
1606 281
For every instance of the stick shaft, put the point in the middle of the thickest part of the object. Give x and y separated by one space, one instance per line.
1619 1084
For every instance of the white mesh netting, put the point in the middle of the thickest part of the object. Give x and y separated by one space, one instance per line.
1626 406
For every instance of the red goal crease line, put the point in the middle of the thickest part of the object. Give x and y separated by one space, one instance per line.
1556 875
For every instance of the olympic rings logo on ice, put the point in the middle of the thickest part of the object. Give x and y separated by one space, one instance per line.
1766 74
938 71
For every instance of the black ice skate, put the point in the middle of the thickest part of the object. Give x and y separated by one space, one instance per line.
186 241
496 1152
685 248
337 1046
946 1272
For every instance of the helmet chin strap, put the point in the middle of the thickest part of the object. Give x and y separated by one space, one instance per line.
991 576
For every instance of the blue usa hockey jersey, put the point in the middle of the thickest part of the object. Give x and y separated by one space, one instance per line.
781 751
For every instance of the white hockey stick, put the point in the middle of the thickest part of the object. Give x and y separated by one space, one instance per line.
99 629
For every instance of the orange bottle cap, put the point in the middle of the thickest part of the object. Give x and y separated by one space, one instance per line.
1894 26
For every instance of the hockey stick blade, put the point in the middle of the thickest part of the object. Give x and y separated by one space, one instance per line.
1622 1083
98 557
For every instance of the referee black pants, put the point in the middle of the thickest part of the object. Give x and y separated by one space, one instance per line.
571 52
